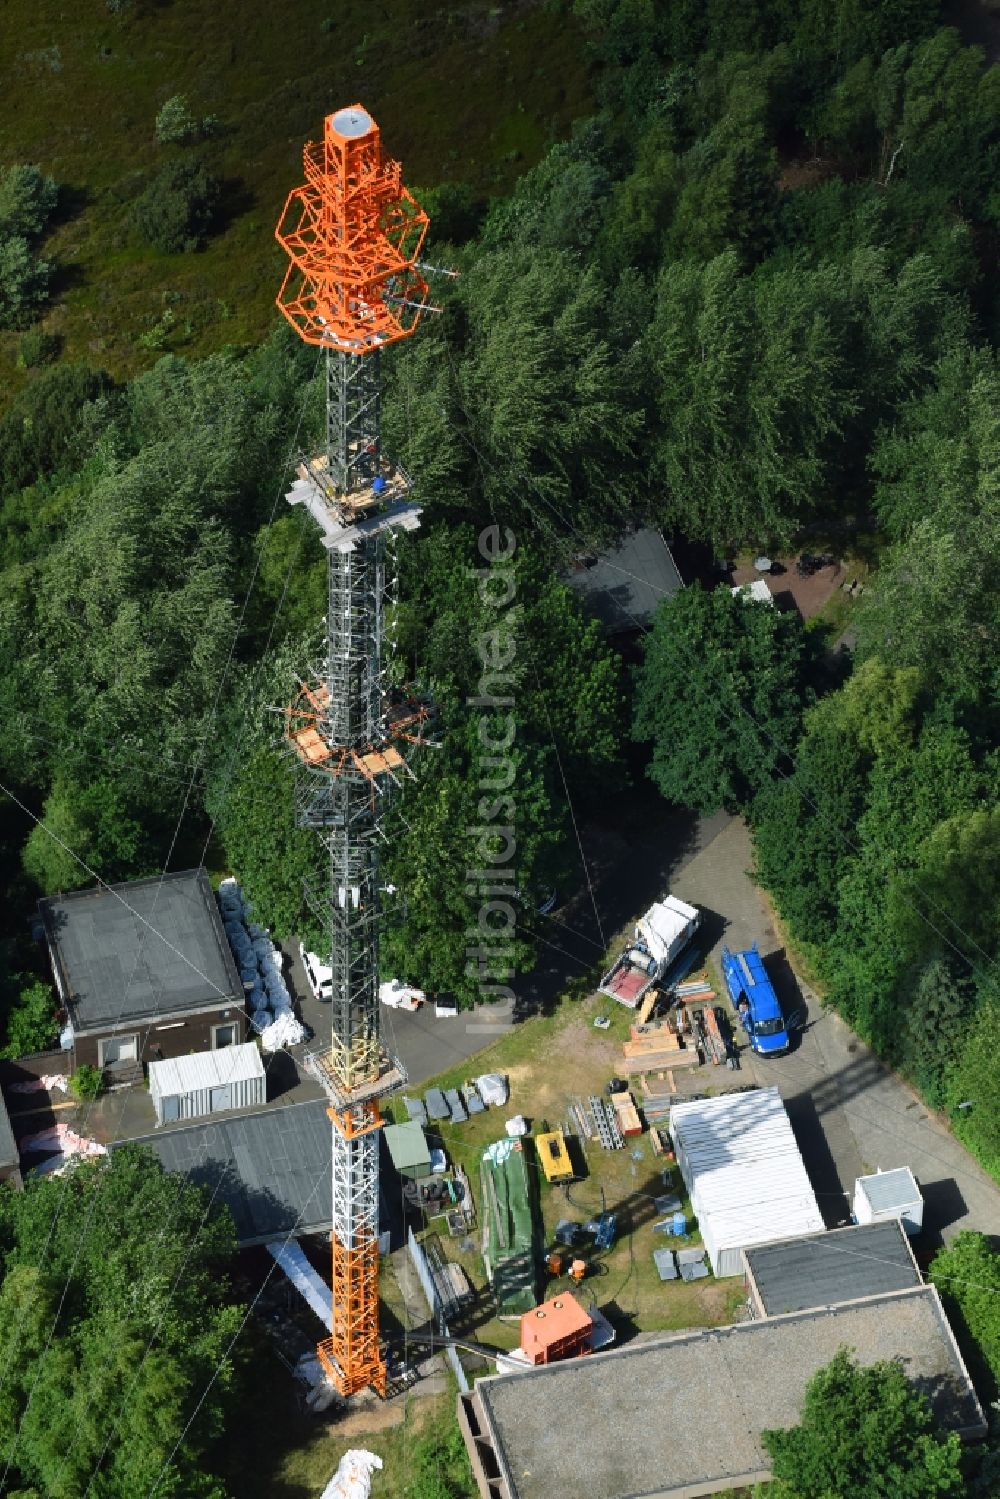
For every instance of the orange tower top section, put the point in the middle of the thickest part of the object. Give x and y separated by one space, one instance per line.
353 234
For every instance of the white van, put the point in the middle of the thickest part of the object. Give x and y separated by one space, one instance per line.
319 976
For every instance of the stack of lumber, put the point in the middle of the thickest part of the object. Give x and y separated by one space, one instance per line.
628 1116
653 1048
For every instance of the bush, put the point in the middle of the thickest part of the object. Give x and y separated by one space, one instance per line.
31 1020
24 282
177 126
455 211
86 1082
176 210
26 202
35 348
38 432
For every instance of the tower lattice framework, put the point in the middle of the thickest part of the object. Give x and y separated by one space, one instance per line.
353 234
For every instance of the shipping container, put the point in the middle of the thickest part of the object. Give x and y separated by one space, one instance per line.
207 1082
744 1174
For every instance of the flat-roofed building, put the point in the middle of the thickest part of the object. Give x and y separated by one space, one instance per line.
826 1269
624 585
144 971
682 1416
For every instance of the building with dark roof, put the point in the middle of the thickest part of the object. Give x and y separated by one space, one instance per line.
624 585
144 971
683 1415
272 1168
827 1269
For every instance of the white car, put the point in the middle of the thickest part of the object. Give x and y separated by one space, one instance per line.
319 976
400 996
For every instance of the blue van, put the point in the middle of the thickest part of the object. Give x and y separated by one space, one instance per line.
755 1002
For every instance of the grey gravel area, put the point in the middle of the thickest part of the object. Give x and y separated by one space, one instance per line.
652 1418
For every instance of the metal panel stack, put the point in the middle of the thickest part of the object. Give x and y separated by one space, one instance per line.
606 1123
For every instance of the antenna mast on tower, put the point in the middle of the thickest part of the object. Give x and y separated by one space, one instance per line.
353 234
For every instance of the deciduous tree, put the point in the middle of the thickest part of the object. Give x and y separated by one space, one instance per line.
720 695
864 1433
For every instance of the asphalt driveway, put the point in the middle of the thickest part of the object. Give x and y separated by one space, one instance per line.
850 1114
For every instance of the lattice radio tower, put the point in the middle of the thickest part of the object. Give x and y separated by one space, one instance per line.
353 234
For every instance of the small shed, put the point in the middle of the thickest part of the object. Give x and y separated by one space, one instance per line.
889 1194
743 1171
207 1082
408 1149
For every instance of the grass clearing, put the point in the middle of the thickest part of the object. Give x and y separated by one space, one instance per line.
549 1061
83 87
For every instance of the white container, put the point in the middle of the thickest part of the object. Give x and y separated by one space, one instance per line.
889 1194
207 1082
743 1171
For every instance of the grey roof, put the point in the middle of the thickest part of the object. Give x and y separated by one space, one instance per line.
407 1145
140 950
8 1145
275 1167
844 1265
886 1190
625 585
685 1414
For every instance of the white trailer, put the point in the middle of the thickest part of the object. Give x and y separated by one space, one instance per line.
889 1194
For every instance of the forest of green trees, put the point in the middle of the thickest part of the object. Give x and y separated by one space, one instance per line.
751 301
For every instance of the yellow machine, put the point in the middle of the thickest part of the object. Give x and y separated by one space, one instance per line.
554 1156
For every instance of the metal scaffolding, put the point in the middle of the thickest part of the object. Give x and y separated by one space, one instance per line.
353 233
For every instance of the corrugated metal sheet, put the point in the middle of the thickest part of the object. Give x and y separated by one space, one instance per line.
291 1258
408 1148
743 1170
207 1082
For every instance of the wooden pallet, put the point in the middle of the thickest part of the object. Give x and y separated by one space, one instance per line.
664 1061
628 1116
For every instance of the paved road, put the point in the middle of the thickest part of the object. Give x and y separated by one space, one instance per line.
424 1044
849 1113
